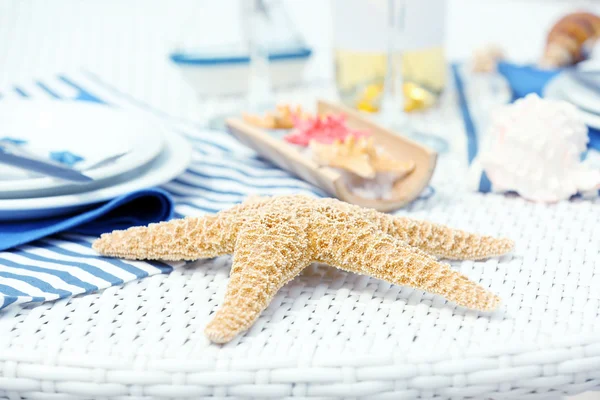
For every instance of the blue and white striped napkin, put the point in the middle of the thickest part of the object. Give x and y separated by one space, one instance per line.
223 172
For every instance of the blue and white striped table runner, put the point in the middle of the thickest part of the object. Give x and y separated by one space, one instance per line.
223 173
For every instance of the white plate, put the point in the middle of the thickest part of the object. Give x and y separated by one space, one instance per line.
94 132
555 89
580 95
171 162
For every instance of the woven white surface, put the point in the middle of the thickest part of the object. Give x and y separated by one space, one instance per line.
330 333
327 333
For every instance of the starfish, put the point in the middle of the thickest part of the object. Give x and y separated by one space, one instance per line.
274 238
359 156
285 117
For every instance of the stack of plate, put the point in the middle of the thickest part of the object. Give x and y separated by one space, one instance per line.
121 151
580 87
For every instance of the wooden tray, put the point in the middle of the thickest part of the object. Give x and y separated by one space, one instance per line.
287 157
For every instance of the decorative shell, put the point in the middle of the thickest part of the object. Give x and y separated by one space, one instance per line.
486 59
359 156
535 148
284 117
570 39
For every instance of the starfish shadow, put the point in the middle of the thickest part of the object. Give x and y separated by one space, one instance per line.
319 295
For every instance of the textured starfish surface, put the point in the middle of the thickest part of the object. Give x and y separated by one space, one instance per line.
273 239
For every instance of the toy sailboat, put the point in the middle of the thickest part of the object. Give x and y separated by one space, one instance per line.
224 68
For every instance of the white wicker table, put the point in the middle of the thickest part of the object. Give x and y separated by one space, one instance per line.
327 334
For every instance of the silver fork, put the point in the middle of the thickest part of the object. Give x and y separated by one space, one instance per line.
106 161
18 150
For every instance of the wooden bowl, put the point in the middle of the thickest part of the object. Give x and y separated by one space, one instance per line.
289 158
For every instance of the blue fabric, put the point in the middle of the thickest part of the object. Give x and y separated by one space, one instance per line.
137 208
485 186
526 79
472 145
594 142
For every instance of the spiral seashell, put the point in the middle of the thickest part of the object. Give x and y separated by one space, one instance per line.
534 148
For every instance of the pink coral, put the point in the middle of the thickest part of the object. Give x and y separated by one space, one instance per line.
324 129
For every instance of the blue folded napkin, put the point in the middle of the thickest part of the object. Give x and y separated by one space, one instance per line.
137 208
526 79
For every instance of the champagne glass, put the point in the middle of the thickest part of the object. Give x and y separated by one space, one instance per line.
260 94
392 114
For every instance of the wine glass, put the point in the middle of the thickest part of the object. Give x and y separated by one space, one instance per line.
259 98
260 94
392 114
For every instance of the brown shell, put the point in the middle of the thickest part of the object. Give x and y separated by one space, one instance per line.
571 33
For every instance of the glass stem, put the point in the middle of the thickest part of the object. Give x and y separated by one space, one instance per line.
392 107
260 94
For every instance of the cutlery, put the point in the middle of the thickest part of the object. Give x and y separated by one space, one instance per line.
9 154
106 161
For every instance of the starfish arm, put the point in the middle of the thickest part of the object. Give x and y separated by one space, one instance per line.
378 254
180 239
444 242
438 240
267 255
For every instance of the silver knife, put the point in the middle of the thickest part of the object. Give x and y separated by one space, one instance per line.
42 167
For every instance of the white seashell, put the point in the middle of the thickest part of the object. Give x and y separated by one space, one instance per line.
534 148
